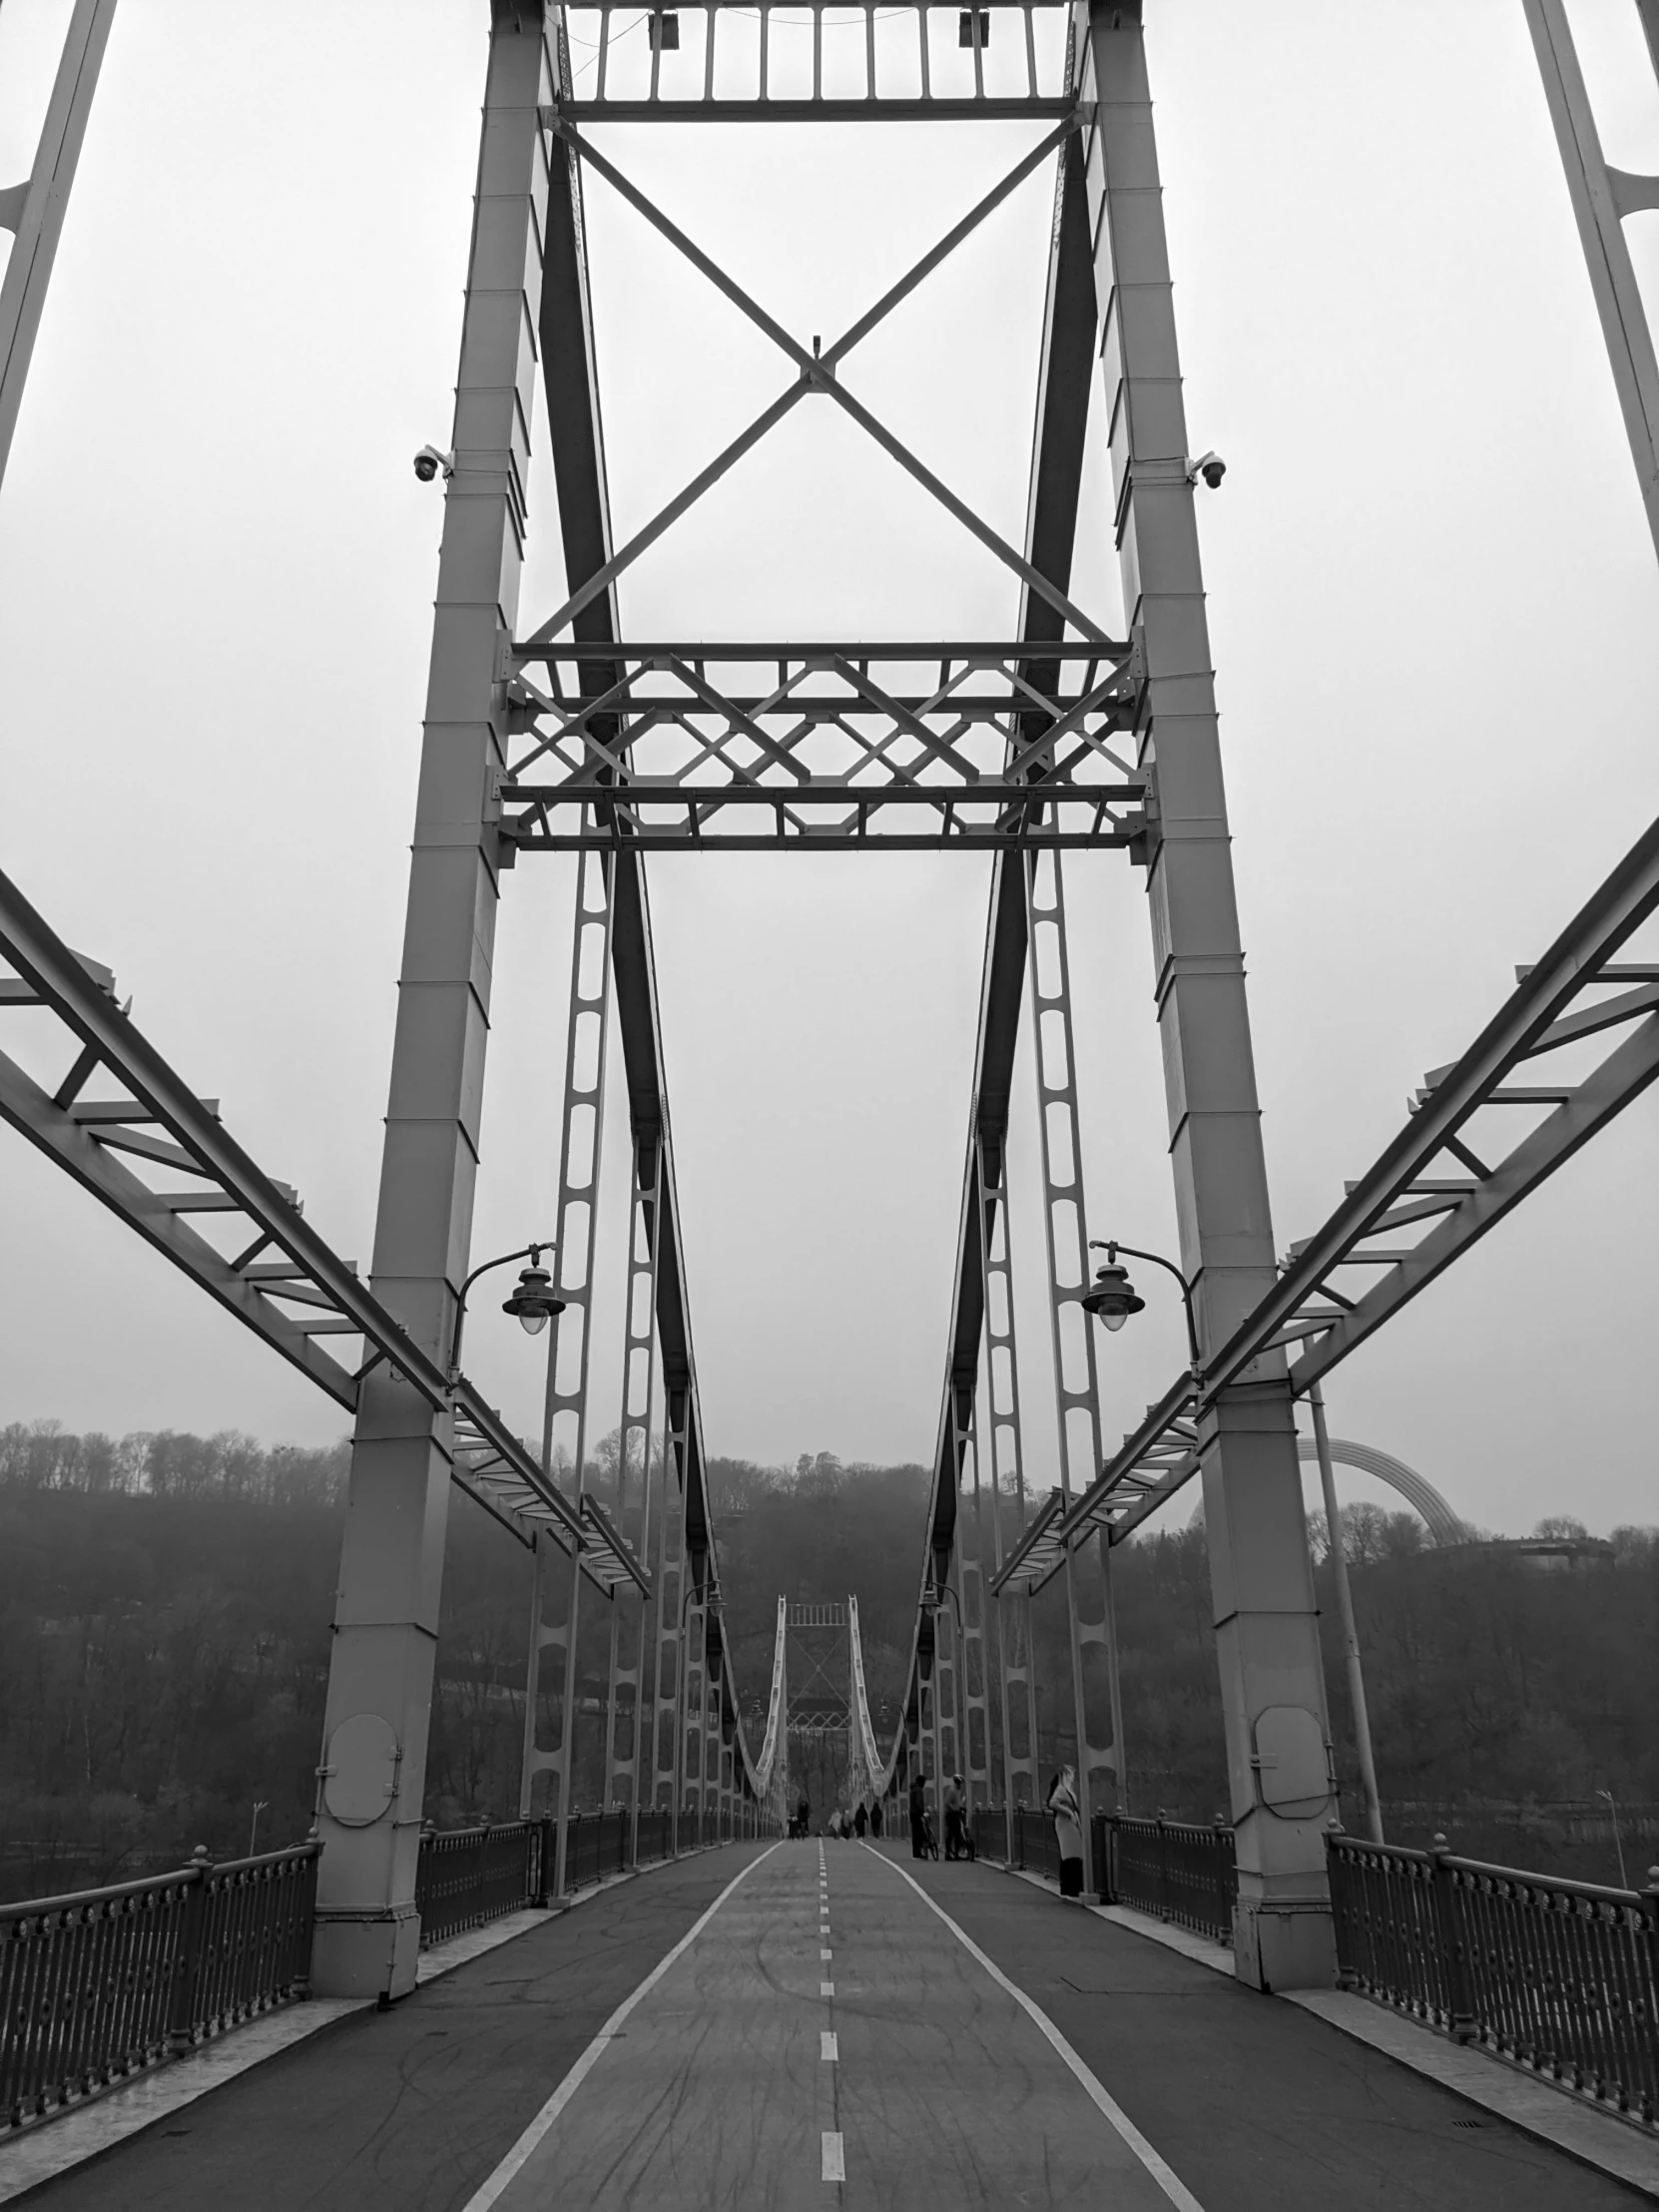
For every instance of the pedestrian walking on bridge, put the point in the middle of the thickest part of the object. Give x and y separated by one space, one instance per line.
1068 1830
956 1832
919 1816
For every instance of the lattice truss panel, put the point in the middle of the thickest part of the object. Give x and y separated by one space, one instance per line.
752 746
1575 1043
95 1096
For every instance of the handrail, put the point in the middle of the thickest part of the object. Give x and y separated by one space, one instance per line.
1559 1976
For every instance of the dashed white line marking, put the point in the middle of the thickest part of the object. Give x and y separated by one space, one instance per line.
826 1953
829 2046
482 2198
834 2158
1179 2195
826 1988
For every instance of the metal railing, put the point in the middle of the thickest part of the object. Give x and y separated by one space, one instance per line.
989 1824
1178 1869
655 1837
98 1985
1560 1976
596 1847
467 1876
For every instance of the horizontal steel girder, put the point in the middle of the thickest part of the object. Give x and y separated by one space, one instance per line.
679 64
1443 1177
282 1261
841 737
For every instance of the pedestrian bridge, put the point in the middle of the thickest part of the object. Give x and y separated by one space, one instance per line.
777 2024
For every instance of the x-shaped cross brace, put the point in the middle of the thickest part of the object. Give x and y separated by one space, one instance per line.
818 374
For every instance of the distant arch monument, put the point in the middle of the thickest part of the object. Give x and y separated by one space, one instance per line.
1418 1493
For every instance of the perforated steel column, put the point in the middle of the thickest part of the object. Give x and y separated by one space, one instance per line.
976 1739
565 1417
1008 1472
667 1655
625 1702
1096 1696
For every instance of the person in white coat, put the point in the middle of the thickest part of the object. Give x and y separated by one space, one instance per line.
1068 1830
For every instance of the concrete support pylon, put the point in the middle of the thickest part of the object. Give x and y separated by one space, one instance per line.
386 1612
1267 1631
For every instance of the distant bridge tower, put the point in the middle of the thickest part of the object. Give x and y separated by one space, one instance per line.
819 1673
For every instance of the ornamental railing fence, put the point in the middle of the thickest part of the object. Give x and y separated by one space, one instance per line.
1179 1870
99 1985
1560 1977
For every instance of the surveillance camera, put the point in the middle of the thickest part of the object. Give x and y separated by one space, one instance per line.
429 460
1210 467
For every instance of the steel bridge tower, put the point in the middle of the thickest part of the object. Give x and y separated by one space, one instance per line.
570 737
539 735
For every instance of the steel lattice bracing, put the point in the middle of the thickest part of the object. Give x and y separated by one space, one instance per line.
561 734
1480 1138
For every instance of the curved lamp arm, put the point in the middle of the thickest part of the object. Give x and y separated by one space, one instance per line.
1112 1248
532 1253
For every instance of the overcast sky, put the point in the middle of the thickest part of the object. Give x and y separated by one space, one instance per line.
1431 593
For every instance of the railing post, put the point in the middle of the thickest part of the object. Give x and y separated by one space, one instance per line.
545 1848
187 1973
1224 1889
1648 2097
1449 1935
1162 1856
1105 1881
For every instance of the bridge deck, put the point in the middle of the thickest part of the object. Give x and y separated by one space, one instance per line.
492 2085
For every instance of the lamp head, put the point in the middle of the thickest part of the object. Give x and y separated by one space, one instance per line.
533 1301
1112 1298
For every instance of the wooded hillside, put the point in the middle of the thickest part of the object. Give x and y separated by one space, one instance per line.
164 1605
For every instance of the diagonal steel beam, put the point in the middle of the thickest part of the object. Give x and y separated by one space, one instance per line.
603 578
1621 1078
818 375
34 210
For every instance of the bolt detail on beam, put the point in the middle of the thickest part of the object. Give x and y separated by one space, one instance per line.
1273 1686
379 1703
1097 1701
565 1413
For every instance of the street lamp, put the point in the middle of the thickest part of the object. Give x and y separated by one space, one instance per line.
533 1300
1112 1298
1619 1841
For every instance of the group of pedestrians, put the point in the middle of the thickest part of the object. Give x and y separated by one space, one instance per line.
958 1837
1063 1807
861 1821
865 1818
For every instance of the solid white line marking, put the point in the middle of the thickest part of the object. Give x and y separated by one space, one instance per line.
1164 2174
829 2046
834 2159
515 2159
826 1988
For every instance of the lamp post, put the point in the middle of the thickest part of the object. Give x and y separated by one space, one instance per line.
1112 1298
533 1299
1344 1608
1618 1839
